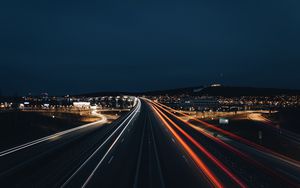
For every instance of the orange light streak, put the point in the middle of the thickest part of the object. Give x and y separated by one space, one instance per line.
229 147
213 179
245 141
207 153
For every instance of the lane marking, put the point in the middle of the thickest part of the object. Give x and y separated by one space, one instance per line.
234 136
112 157
132 114
137 171
198 161
108 151
156 156
173 140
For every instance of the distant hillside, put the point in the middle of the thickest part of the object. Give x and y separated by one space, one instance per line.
109 93
179 91
188 90
226 91
10 99
246 91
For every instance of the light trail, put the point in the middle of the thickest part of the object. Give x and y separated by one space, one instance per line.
236 137
110 148
265 121
212 178
259 117
207 153
49 138
229 147
131 116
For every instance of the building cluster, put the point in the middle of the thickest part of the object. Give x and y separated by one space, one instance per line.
259 102
44 101
6 105
219 103
182 102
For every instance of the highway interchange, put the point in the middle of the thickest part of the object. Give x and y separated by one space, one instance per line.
151 146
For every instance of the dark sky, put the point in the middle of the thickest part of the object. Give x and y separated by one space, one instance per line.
75 46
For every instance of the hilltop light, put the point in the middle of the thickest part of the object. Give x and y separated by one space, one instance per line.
216 85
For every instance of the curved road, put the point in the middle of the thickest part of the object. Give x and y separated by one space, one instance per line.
146 148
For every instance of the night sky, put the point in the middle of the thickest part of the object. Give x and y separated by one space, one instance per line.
63 47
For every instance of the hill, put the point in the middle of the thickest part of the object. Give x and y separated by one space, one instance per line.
246 91
226 91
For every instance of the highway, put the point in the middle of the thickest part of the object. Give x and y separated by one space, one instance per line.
266 123
148 147
252 165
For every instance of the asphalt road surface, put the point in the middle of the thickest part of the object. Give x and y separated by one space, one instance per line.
148 147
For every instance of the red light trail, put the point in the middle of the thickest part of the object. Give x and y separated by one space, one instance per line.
212 178
236 137
207 153
225 145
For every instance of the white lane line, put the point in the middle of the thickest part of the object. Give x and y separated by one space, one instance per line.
112 157
111 147
50 137
133 113
156 155
173 140
137 171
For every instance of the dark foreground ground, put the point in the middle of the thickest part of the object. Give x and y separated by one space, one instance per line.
288 119
19 127
147 147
